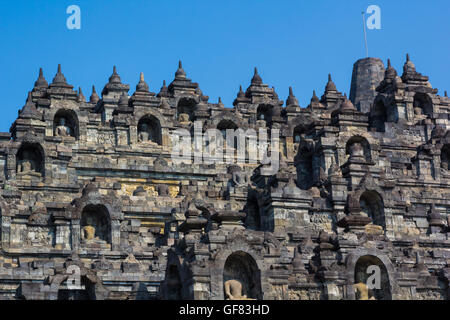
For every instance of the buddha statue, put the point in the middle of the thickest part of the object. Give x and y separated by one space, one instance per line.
417 108
233 291
362 292
356 150
183 118
144 135
24 166
62 130
88 231
27 165
239 178
365 211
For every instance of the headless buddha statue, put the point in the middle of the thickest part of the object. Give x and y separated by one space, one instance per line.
362 292
233 291
88 231
143 133
183 118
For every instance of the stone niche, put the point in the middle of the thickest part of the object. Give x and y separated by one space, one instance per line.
362 274
264 112
149 130
445 157
304 163
185 110
422 104
225 125
372 206
65 124
378 117
95 225
358 148
253 214
173 283
30 161
242 268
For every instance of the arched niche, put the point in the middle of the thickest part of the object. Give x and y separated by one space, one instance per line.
299 133
264 112
366 268
185 109
95 224
423 104
253 214
371 203
358 148
445 157
30 160
149 130
173 283
108 206
242 268
65 124
225 125
305 168
378 117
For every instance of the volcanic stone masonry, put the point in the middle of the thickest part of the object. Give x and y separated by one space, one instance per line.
93 207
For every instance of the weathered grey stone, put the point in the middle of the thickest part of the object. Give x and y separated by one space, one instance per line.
90 190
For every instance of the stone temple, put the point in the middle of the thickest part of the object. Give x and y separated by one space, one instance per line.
94 207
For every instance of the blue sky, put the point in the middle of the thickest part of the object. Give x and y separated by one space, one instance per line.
293 43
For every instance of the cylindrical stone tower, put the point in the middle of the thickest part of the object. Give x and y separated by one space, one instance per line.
367 75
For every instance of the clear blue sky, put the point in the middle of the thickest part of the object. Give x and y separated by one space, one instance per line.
293 43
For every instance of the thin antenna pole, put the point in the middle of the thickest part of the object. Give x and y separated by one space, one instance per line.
365 34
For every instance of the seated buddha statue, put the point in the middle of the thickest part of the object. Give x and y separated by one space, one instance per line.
233 291
63 130
183 118
357 150
143 133
27 165
88 231
362 292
